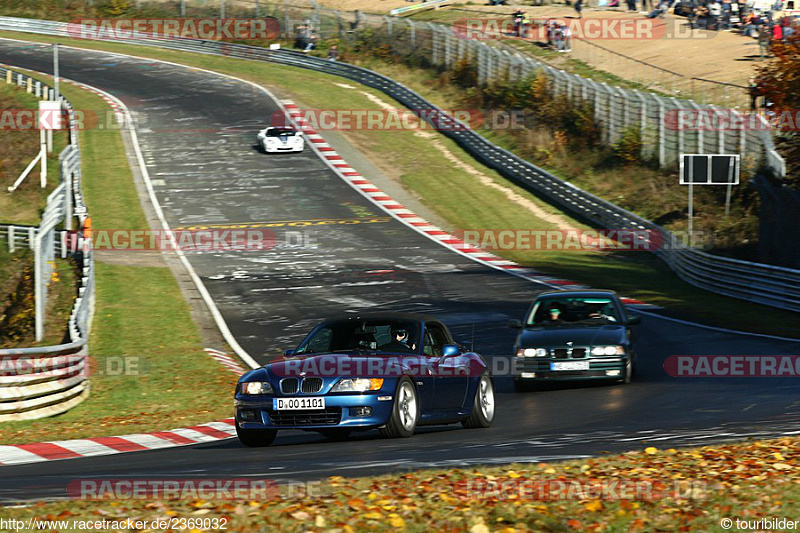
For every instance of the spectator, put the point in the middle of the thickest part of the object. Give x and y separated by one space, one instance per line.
763 40
777 33
725 20
714 12
578 6
788 30
701 16
631 5
662 8
753 91
566 39
333 53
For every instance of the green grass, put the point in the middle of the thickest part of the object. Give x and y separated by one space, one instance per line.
25 206
17 150
640 491
142 323
447 190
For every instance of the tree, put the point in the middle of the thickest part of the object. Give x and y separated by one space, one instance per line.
779 83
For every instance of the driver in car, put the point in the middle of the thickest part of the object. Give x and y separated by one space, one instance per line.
401 340
596 312
554 316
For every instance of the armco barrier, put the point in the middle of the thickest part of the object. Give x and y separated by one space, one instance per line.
765 284
48 380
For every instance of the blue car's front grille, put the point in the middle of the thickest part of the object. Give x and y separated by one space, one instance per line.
289 386
322 417
311 385
306 385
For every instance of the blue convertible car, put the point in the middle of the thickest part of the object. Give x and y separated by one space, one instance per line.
388 371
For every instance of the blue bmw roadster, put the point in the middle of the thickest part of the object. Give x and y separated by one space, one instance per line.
393 372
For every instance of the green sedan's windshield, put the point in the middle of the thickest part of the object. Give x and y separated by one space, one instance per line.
559 311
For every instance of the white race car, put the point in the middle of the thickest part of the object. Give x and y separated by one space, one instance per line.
284 139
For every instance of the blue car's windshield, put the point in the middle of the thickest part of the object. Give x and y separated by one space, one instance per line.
390 336
565 311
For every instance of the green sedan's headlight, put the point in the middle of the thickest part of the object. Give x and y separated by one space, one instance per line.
532 352
608 350
358 385
256 387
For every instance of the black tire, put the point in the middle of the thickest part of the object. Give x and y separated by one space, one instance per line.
523 386
336 434
405 411
628 372
483 406
256 438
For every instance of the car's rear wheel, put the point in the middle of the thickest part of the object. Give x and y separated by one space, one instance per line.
405 412
335 434
255 438
483 406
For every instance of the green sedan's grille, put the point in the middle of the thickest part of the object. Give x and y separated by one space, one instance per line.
569 353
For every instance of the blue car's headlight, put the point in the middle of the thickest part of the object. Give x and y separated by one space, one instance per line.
358 385
256 387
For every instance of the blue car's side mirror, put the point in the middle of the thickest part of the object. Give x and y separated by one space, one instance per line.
515 324
288 352
634 320
449 350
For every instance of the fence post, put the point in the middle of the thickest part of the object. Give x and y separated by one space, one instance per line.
38 292
662 135
11 237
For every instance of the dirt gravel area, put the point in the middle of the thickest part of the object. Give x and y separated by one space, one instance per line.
719 56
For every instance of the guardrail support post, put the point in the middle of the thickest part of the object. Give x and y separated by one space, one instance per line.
11 243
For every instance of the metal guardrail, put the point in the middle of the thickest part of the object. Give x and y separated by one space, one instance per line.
764 284
48 380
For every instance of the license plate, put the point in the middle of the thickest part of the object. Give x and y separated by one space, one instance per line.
296 404
569 365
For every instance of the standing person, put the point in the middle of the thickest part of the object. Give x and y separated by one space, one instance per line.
763 40
333 53
566 38
777 33
752 90
631 5
714 12
578 6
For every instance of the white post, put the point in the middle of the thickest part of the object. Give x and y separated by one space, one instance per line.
55 70
183 8
222 9
38 304
43 173
49 141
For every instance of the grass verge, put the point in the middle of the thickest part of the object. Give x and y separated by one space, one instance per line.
648 490
142 334
19 144
462 200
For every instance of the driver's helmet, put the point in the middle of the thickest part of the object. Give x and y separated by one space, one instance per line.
398 331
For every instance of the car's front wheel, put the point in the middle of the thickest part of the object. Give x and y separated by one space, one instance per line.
483 406
405 412
628 372
255 438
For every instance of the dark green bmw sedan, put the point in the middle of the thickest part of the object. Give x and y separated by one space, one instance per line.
574 335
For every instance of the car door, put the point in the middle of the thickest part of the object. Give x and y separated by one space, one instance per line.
451 372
